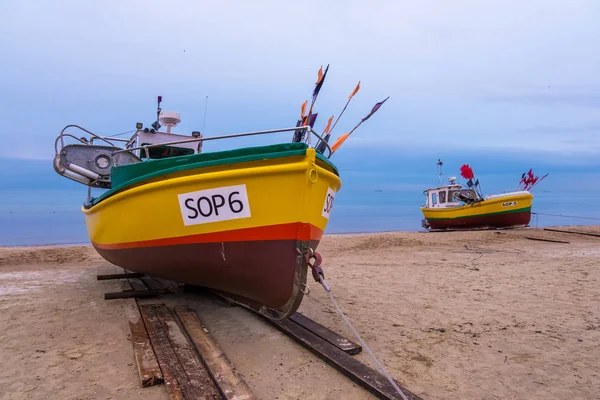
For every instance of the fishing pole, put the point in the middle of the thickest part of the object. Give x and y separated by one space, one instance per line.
345 136
348 102
327 132
309 119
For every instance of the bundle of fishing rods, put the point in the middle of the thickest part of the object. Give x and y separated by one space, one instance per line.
308 119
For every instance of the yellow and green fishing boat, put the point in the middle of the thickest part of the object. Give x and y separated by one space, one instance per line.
246 222
456 207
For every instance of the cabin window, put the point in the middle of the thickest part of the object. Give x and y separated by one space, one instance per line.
467 195
442 197
434 199
164 151
453 196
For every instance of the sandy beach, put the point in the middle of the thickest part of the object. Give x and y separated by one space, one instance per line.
456 315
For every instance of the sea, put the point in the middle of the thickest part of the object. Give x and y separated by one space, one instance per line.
379 194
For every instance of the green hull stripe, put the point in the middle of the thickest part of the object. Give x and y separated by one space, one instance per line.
132 174
525 209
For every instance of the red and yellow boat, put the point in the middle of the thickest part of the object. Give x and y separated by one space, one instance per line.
245 222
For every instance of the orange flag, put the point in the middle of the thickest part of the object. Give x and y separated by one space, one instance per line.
320 75
355 91
326 131
339 141
303 109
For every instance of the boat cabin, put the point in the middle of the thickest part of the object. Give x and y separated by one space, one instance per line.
452 195
149 136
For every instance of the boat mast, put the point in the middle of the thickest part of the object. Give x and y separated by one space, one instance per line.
440 173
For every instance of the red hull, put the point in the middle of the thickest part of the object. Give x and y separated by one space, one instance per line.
268 272
483 221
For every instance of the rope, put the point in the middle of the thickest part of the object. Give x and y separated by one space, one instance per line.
122 133
567 216
339 310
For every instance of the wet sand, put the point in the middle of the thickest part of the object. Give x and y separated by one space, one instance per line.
469 315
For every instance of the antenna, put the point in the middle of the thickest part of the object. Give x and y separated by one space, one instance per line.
156 124
440 173
205 107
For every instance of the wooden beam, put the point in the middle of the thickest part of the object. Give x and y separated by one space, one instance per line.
152 283
200 384
123 283
327 334
368 378
573 232
165 356
137 284
135 293
148 368
230 383
546 240
119 276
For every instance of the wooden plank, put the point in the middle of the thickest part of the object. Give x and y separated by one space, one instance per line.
135 293
327 334
154 284
137 284
230 383
199 383
173 286
124 285
118 276
573 232
148 368
545 240
167 360
368 378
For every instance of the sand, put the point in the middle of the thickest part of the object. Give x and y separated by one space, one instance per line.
469 315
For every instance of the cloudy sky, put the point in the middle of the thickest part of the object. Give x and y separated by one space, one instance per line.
479 74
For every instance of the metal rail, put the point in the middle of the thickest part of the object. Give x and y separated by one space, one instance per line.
63 134
233 135
110 140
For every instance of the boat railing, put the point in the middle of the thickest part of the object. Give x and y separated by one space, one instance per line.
146 148
62 136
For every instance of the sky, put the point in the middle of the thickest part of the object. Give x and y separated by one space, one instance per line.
519 77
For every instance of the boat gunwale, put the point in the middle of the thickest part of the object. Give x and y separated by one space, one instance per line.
139 180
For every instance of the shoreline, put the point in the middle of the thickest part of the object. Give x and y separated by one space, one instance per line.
338 234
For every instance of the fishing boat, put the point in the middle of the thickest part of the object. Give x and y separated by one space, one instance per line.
458 207
244 222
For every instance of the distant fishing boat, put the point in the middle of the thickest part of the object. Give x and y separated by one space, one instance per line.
455 207
246 222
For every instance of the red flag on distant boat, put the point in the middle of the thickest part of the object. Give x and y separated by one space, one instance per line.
529 180
466 172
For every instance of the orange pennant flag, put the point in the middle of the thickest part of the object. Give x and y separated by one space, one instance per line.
339 142
326 131
303 109
355 91
320 75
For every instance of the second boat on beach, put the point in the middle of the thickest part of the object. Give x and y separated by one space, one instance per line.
457 207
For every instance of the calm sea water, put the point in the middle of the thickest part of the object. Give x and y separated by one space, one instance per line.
47 211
